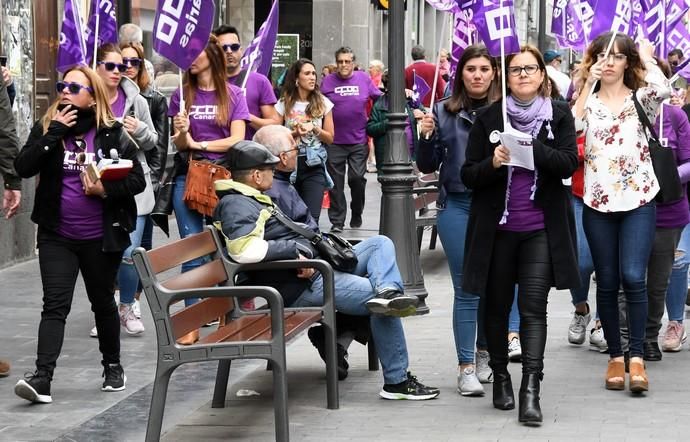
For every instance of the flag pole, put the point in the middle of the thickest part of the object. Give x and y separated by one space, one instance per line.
606 56
182 104
246 76
438 66
95 35
504 104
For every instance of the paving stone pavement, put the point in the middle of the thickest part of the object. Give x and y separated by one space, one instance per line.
575 404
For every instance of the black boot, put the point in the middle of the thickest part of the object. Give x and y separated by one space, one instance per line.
530 410
504 398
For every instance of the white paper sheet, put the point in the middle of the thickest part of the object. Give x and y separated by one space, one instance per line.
520 146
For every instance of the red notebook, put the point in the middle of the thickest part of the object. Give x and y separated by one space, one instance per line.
109 170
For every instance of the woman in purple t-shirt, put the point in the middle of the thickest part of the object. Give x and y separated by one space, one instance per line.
212 121
307 113
83 226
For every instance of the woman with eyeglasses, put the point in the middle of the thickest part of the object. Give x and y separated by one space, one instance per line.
521 228
619 216
133 58
304 110
83 226
213 119
132 109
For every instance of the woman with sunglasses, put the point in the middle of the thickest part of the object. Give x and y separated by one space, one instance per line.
213 120
133 58
83 226
619 216
133 110
521 228
307 113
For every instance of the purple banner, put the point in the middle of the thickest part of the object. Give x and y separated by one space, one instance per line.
420 89
652 23
462 37
258 56
679 37
495 22
567 25
71 50
612 15
182 29
107 25
444 5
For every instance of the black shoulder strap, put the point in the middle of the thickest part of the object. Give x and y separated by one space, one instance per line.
290 224
642 115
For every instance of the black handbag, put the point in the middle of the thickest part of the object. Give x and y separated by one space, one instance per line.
337 251
663 161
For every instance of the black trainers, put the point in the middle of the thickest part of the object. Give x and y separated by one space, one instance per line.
335 228
393 303
410 389
318 340
35 387
115 378
356 221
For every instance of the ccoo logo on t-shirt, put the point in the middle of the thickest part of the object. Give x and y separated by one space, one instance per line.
347 91
203 112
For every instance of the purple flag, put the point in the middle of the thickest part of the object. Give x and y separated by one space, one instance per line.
182 29
683 69
420 89
612 15
107 25
567 25
462 37
258 57
444 5
495 21
652 23
679 37
71 49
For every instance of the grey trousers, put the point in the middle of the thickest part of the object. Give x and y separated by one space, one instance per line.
354 158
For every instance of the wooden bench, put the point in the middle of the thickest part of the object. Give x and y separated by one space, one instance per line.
260 334
425 194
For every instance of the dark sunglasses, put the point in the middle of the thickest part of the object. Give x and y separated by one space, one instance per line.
232 47
72 88
134 62
110 66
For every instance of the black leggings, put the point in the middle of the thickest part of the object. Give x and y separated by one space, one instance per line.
310 185
60 260
521 258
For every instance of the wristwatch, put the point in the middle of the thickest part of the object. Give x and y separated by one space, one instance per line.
204 145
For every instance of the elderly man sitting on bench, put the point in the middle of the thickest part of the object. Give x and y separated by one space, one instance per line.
375 288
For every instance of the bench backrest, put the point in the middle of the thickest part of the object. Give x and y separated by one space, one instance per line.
152 265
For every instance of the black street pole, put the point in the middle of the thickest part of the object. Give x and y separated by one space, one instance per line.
397 209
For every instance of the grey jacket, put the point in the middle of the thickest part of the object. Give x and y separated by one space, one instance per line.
9 143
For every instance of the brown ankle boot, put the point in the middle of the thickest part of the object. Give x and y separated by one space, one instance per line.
4 368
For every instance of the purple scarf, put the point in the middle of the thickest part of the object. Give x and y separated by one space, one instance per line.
528 120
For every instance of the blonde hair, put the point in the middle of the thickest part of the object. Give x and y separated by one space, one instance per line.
104 115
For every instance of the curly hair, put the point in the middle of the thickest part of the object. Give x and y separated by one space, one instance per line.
634 74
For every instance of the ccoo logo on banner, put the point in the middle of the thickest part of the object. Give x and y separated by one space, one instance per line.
182 29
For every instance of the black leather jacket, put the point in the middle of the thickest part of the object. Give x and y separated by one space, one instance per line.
43 154
157 157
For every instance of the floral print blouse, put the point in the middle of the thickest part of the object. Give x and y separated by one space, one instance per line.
618 168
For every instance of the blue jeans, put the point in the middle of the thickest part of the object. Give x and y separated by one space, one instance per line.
452 224
514 318
189 222
127 278
584 256
621 243
377 270
677 290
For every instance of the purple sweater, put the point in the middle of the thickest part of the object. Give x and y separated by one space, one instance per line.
677 132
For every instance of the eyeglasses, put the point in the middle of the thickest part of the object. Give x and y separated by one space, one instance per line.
234 47
110 66
529 69
134 62
341 61
674 63
290 150
72 88
617 56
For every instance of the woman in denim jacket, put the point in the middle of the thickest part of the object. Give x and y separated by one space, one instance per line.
307 113
442 144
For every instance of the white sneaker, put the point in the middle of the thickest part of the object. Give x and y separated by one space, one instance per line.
597 342
132 325
514 349
94 332
484 373
577 330
136 308
468 384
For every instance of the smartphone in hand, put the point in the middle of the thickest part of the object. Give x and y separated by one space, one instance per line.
3 60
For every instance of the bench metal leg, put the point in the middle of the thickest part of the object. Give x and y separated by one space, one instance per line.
373 356
331 368
434 234
420 237
221 387
160 392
